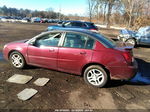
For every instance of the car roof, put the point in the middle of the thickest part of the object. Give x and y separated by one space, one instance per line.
74 21
79 21
94 35
78 30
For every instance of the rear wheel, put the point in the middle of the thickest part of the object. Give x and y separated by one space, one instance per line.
96 76
17 60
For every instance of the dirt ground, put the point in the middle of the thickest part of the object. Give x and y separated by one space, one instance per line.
66 91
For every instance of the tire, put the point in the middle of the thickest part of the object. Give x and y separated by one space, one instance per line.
17 60
99 78
131 41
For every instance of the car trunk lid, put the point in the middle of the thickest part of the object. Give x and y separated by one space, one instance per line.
127 53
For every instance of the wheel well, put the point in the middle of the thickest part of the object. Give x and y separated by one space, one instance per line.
12 52
132 38
90 64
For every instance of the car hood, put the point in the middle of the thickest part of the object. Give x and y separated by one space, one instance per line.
128 32
20 41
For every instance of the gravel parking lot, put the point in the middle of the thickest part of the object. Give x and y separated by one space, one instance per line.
69 91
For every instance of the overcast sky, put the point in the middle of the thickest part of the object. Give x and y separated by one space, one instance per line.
66 6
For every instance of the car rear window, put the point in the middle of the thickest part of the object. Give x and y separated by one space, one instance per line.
106 41
91 25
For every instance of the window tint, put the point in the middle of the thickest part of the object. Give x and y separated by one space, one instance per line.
74 40
106 41
78 24
90 43
68 24
48 40
84 25
92 25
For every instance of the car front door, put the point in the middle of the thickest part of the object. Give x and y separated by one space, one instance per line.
44 50
76 51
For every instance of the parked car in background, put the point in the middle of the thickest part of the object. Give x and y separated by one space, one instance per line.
26 19
141 37
75 51
10 19
1 17
59 23
36 20
5 19
44 20
74 24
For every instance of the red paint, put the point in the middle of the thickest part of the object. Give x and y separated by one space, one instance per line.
72 60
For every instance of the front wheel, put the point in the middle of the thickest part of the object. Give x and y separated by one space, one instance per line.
17 60
96 76
131 42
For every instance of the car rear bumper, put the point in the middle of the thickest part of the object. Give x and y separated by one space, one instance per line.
124 73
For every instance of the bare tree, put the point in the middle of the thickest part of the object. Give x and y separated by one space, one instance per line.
133 8
91 5
108 6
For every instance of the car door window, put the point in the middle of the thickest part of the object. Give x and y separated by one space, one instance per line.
77 24
51 39
84 25
73 40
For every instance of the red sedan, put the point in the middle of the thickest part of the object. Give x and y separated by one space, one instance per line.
75 51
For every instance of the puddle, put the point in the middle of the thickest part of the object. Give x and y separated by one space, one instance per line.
140 78
1 56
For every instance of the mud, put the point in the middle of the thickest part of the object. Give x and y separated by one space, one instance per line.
64 90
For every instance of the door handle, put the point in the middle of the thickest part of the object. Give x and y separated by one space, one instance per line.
82 53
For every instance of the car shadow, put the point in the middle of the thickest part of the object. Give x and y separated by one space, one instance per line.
142 77
143 46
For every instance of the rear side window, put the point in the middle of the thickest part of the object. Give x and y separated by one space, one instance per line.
76 24
90 43
91 25
73 40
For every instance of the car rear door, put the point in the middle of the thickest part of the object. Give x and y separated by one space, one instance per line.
75 52
44 51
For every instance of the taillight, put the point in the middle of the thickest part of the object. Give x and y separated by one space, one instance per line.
128 57
93 29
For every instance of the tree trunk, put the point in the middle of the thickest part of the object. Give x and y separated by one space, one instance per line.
104 20
130 21
109 14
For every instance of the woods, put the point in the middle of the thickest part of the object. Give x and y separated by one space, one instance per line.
49 13
122 12
127 13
